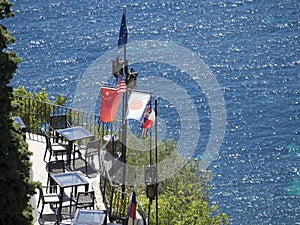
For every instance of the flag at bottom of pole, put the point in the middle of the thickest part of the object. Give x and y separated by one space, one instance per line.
132 206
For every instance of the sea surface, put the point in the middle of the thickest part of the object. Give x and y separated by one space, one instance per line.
251 47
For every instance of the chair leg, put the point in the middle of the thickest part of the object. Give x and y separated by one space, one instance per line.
57 214
41 214
99 162
85 160
45 154
48 180
50 154
70 211
38 202
74 155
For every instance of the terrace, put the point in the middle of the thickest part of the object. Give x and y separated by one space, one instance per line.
94 167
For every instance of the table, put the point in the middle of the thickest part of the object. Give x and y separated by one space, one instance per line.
73 134
70 179
91 217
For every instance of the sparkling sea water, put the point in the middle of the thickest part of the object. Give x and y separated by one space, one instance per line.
251 47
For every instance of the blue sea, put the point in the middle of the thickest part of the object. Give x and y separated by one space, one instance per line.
251 47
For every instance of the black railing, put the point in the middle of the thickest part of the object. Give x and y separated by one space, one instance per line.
34 113
115 200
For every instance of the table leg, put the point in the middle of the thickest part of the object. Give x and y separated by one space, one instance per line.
69 152
60 203
74 152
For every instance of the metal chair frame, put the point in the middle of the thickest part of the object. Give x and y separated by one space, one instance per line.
47 197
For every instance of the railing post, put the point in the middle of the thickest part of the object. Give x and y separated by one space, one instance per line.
29 115
111 202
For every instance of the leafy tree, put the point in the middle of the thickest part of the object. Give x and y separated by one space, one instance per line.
41 96
184 199
36 112
16 187
60 100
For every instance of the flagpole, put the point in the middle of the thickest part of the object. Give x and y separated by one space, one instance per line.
124 10
156 181
124 122
150 133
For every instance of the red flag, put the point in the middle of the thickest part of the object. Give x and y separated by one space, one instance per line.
110 102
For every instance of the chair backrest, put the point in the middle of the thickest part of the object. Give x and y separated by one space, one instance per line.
41 192
85 199
57 166
48 133
46 190
93 146
58 121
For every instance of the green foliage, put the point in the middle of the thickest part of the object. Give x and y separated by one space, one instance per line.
21 91
16 187
5 9
36 112
33 113
184 197
41 96
60 100
140 154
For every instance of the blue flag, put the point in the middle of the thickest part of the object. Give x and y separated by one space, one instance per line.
123 33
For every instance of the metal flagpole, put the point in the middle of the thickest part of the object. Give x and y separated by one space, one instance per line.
150 133
156 178
124 10
124 123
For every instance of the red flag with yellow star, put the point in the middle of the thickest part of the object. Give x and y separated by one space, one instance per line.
110 102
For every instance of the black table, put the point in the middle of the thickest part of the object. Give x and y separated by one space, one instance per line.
73 134
91 217
70 179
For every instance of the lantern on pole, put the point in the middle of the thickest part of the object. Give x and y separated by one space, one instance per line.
151 190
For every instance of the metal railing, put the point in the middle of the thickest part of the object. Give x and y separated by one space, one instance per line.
35 112
115 200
